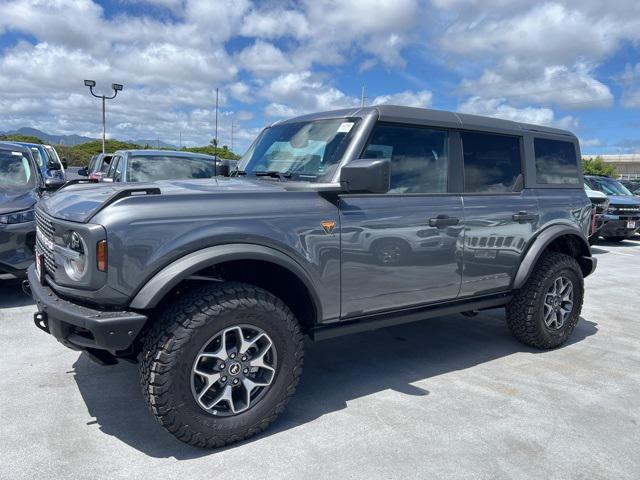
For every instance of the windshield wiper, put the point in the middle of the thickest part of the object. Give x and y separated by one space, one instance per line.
273 174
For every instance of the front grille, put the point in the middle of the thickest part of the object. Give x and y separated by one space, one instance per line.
45 229
624 210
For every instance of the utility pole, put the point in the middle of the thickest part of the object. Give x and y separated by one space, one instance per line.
363 96
233 128
180 139
116 88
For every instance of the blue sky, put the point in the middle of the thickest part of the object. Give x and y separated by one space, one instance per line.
571 64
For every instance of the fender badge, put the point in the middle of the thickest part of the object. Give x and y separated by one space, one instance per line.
328 226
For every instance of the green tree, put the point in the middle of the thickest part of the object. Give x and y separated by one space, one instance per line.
597 166
17 137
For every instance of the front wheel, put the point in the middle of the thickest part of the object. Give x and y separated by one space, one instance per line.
221 363
544 312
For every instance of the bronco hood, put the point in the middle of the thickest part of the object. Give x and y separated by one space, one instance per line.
14 200
624 200
80 202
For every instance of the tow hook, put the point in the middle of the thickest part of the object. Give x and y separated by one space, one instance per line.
41 321
26 288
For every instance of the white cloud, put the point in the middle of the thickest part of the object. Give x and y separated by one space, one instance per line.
263 58
421 99
560 85
630 81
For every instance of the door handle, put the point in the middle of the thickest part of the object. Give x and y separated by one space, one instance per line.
524 217
442 221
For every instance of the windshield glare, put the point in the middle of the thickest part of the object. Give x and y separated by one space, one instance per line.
307 151
161 167
610 186
15 170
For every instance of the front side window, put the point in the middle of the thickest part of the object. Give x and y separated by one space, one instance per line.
15 170
556 162
150 168
106 163
306 151
491 162
419 157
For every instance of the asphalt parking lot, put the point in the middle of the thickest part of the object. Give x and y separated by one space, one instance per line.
450 397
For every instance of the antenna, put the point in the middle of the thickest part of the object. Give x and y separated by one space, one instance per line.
363 96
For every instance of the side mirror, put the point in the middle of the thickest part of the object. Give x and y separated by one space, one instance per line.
53 183
369 175
64 162
84 172
222 170
53 166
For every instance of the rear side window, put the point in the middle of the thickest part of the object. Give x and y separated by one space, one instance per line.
419 157
491 162
556 162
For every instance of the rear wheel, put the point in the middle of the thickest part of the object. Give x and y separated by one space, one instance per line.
544 312
221 363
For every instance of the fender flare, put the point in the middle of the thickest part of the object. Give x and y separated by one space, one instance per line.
542 241
166 279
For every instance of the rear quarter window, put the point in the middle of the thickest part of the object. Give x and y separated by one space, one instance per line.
556 162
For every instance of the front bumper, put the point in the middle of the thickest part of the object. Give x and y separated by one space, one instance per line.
79 327
17 242
617 226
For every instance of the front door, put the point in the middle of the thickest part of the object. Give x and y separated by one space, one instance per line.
402 248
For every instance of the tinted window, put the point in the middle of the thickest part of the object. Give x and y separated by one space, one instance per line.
556 162
15 170
419 157
491 162
161 167
106 162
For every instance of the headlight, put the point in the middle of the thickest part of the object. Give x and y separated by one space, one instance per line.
75 262
18 217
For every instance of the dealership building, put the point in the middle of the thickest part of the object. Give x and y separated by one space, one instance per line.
628 164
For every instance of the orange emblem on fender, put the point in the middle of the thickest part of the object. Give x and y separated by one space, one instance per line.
328 225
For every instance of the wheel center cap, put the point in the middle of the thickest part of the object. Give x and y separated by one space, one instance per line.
234 368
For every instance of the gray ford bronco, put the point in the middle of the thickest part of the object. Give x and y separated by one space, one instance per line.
333 223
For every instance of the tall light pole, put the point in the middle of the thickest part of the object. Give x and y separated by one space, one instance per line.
116 88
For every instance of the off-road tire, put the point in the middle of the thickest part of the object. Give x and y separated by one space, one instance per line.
615 239
525 311
171 345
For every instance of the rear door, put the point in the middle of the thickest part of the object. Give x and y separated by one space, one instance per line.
399 248
500 216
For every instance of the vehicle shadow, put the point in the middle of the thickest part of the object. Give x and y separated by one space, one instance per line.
11 294
336 372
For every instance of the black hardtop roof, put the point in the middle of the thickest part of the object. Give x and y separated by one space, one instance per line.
397 113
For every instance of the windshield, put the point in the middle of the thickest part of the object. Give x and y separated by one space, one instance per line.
161 167
610 186
15 170
307 151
